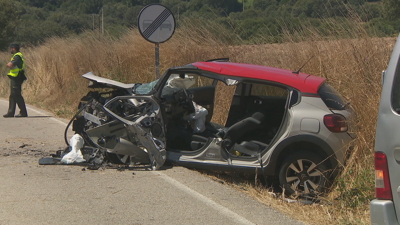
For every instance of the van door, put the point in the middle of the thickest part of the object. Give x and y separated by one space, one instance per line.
388 130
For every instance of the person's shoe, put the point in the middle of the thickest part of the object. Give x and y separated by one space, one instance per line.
21 115
7 115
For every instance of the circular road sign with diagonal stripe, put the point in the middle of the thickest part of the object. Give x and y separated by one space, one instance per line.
156 23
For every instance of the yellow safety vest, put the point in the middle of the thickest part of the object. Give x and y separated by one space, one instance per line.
15 71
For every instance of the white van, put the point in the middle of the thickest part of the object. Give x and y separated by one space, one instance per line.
385 209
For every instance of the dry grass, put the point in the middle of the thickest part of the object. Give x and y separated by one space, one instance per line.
351 63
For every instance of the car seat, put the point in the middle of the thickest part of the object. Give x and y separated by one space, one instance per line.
238 130
232 135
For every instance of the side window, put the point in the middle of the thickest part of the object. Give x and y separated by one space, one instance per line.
396 89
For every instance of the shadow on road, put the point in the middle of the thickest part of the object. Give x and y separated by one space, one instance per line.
38 116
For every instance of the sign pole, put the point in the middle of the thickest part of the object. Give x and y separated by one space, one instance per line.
157 60
156 24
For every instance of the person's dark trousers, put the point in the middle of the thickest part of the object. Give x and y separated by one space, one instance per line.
16 98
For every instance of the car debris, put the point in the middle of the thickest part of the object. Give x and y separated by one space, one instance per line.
75 154
24 145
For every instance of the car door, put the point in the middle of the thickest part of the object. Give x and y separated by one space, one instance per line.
144 124
387 143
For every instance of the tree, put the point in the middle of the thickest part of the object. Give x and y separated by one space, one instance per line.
263 4
91 6
195 5
227 5
177 7
74 23
9 15
131 15
391 9
303 6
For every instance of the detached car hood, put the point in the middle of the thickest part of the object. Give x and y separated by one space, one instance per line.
100 82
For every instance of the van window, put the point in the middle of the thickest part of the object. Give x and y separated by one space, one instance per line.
396 90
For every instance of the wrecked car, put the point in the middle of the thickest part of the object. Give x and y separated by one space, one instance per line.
289 126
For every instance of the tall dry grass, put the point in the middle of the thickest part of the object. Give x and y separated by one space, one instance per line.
349 58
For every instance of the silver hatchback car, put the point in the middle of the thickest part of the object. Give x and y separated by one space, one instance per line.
385 209
282 124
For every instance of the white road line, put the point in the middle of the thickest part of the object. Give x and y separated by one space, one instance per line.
223 210
227 212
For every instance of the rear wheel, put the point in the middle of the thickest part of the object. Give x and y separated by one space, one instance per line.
303 173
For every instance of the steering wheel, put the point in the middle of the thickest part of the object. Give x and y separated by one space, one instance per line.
184 100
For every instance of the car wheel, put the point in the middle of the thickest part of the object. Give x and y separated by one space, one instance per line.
303 173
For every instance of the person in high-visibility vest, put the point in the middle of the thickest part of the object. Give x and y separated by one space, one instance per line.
17 77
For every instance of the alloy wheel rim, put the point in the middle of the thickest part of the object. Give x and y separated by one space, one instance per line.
304 176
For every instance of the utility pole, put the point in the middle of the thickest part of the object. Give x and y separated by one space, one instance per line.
93 21
101 21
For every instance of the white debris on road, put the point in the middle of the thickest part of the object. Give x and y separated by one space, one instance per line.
75 155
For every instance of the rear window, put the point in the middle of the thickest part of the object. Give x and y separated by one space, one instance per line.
332 98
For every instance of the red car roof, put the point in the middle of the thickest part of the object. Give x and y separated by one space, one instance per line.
303 82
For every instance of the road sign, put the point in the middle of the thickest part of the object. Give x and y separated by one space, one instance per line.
156 23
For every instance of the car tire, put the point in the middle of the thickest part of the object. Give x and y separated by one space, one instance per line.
303 173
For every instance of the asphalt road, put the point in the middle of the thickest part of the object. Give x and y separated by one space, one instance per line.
63 194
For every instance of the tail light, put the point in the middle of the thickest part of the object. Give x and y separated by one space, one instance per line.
335 123
382 181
